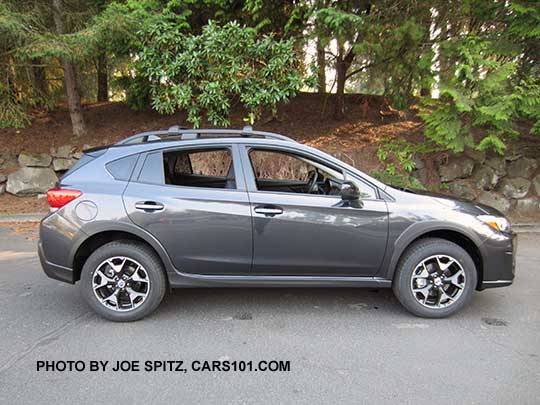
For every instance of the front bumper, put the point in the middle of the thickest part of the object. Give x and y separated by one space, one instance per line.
499 262
54 270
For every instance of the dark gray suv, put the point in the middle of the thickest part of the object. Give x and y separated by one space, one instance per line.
231 208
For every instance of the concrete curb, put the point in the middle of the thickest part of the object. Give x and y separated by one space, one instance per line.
35 217
526 228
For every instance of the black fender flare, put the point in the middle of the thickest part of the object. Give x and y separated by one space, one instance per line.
414 232
92 229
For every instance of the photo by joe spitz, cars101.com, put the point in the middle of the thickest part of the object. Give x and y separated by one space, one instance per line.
243 208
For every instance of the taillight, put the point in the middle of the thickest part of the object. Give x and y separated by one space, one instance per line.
58 197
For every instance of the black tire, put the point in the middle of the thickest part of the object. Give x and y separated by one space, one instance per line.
142 254
413 256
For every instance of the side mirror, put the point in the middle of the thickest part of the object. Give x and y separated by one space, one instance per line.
349 191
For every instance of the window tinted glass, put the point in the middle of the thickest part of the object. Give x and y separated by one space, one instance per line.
152 171
278 166
212 168
211 163
121 169
281 171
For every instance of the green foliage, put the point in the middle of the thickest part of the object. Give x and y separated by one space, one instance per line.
12 113
485 97
137 91
482 57
204 74
342 24
397 155
399 180
490 80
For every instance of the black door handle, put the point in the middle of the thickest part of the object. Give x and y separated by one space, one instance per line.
149 206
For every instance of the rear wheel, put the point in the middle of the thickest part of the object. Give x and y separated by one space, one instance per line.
435 278
123 281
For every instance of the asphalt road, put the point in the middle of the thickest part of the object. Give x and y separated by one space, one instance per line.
344 345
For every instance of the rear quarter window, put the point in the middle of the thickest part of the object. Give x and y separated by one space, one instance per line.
122 168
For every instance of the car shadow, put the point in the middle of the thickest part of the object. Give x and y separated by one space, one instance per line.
238 303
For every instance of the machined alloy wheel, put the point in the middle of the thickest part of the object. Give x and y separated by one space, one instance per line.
435 278
121 283
438 281
123 280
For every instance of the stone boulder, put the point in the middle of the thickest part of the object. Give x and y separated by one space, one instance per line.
61 164
62 152
420 171
515 187
494 200
7 161
462 189
536 184
522 167
485 178
498 164
476 155
456 169
3 178
528 206
31 180
418 163
41 160
2 188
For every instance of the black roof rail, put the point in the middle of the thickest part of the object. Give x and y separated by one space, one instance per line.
195 133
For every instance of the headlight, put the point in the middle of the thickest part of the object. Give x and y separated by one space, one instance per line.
500 224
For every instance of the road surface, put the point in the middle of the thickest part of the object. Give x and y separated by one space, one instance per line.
343 345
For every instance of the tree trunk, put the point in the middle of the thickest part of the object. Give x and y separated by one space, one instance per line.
40 78
339 108
102 79
70 80
425 92
342 66
321 68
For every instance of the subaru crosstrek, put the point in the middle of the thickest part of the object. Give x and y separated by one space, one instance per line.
239 208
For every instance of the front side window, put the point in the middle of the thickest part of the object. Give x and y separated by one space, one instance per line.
281 171
210 168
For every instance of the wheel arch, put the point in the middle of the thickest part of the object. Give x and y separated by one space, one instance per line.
470 243
95 240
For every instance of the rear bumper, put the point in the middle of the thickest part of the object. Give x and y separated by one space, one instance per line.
54 270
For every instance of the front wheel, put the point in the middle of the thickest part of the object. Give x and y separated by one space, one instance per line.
123 281
435 278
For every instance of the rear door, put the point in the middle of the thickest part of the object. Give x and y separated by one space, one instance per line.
194 201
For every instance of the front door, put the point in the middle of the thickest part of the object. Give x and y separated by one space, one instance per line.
300 224
192 202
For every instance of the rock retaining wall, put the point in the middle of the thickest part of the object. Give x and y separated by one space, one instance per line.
36 173
511 185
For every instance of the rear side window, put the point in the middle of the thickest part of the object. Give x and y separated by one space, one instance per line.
210 168
121 169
